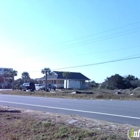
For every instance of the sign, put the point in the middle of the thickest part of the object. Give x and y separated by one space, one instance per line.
132 134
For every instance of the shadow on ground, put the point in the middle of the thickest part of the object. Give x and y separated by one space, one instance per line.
10 111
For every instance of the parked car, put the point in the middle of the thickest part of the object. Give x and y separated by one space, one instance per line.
27 86
42 86
52 86
39 87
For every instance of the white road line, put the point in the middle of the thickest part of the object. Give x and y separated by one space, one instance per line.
49 101
67 109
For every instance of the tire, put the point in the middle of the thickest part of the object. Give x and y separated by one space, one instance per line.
25 89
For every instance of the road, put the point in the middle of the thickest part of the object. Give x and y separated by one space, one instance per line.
124 112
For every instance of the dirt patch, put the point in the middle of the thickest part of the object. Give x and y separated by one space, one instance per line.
35 125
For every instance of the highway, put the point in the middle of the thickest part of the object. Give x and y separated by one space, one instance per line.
119 111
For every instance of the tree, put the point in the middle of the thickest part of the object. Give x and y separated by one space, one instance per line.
47 72
131 81
10 74
4 75
13 73
135 83
18 82
131 78
114 82
25 76
93 84
66 75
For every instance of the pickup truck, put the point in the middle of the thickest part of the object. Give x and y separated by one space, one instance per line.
27 86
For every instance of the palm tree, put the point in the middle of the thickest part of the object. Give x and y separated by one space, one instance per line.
3 79
47 72
5 74
10 74
25 76
66 75
13 73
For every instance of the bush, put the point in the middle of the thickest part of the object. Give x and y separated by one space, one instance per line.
136 90
118 82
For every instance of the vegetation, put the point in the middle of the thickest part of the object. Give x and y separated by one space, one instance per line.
93 84
47 72
13 73
10 74
118 82
25 76
66 75
96 94
114 82
17 125
20 81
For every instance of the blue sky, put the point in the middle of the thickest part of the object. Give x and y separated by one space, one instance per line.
35 34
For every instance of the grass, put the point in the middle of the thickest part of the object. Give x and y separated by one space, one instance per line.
97 94
23 126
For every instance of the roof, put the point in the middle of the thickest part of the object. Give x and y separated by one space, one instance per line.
73 75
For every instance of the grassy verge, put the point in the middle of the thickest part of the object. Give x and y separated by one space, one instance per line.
36 126
97 94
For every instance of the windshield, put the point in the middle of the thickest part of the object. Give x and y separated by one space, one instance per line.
26 84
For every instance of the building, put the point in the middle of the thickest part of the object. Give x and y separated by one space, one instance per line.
76 80
5 80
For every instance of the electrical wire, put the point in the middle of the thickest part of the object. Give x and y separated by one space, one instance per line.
98 63
76 44
105 62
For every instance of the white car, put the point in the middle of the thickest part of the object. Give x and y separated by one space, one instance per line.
39 86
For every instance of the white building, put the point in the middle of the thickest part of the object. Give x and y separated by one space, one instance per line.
76 80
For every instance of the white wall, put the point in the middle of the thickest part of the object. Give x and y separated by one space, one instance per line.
65 83
72 84
85 85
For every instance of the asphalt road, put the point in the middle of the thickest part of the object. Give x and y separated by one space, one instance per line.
124 112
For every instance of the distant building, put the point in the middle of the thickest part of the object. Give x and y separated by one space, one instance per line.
5 81
76 80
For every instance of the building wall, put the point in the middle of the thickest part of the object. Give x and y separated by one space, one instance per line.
85 85
72 84
2 70
5 82
60 83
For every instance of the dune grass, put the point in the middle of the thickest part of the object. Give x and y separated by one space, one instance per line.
25 126
97 94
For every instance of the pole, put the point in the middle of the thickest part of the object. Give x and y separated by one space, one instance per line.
46 82
12 82
66 82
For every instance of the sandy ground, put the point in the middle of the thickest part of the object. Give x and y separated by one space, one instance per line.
80 122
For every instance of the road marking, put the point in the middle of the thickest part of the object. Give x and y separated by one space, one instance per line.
50 100
75 110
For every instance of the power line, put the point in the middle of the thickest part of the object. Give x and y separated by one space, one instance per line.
98 33
99 63
98 52
118 49
111 61
111 36
95 39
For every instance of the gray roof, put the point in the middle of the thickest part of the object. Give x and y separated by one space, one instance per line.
73 75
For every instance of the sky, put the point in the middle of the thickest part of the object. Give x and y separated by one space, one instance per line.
35 34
